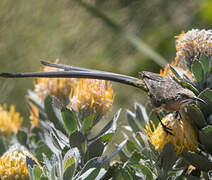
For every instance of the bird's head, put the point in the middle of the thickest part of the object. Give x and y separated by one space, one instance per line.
186 96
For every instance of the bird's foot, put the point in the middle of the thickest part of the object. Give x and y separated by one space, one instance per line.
177 115
167 129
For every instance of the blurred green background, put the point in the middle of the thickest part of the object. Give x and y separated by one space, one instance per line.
36 30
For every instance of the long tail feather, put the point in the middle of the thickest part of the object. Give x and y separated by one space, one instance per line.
81 74
68 67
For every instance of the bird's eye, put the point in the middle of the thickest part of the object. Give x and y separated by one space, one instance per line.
185 96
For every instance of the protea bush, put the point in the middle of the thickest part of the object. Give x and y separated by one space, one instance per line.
187 151
60 143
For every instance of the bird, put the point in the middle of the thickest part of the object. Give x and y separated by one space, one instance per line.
165 94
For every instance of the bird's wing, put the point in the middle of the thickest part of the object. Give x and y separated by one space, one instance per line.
152 76
68 67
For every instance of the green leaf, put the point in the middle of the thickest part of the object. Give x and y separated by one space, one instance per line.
135 157
56 141
69 120
71 161
112 171
2 146
132 170
33 169
195 115
205 61
139 139
68 173
34 136
125 174
47 163
30 172
207 130
87 123
167 158
132 122
109 127
197 160
95 149
154 119
90 174
176 72
53 173
42 149
22 137
176 174
92 163
44 178
77 139
141 114
131 146
154 152
48 107
206 95
37 172
116 151
68 162
146 171
205 136
147 154
102 172
198 71
107 137
183 80
61 138
181 163
50 144
190 86
123 157
95 164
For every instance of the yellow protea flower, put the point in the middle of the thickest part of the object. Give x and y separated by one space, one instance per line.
10 121
177 64
13 163
184 135
192 44
58 87
34 114
92 96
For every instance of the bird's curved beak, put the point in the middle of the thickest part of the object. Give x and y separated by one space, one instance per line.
199 99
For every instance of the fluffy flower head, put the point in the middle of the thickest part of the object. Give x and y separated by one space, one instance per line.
184 135
10 121
192 44
13 163
92 96
58 87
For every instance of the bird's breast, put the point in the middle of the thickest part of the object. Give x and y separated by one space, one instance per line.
171 106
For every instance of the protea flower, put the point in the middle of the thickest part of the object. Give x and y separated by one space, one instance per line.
13 163
10 121
92 96
184 135
191 45
58 87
